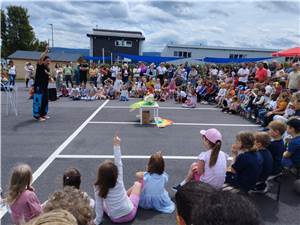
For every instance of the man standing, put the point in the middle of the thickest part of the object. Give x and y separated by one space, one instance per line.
243 74
294 78
161 71
68 72
41 86
83 70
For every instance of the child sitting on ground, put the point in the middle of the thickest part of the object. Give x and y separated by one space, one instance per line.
246 166
124 94
191 101
211 165
100 94
21 198
72 177
154 194
262 141
221 94
291 157
110 193
163 95
157 89
92 92
75 93
277 129
64 91
117 86
172 88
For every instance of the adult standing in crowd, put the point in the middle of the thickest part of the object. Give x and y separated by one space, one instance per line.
114 71
243 74
161 71
68 72
12 73
29 69
93 73
261 73
294 78
83 70
41 82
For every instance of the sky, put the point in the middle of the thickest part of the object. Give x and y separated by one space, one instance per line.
259 24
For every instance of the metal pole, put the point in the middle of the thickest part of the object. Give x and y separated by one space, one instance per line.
52 34
103 56
111 58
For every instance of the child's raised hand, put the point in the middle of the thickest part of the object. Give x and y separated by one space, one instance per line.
116 139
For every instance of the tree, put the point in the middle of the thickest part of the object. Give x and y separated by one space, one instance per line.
3 34
20 35
17 33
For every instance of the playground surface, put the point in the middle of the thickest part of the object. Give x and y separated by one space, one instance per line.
79 134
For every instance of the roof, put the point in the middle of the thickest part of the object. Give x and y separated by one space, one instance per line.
117 33
220 48
151 54
54 56
81 51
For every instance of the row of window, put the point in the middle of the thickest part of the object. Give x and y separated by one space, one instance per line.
123 43
182 54
237 56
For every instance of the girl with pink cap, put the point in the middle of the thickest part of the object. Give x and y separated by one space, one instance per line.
211 165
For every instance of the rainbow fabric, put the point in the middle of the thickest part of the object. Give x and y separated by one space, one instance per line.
161 122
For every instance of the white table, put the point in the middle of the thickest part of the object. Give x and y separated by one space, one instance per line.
155 108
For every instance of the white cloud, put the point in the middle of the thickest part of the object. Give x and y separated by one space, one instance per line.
230 23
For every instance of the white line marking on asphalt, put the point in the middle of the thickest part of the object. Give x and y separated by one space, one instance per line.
163 107
124 157
53 156
179 124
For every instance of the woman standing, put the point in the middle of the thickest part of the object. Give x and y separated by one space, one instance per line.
41 86
12 73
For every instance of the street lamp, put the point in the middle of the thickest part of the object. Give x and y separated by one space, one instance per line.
52 34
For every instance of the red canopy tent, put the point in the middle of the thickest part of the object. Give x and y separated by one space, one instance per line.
288 52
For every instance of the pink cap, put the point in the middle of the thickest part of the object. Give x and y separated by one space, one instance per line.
212 134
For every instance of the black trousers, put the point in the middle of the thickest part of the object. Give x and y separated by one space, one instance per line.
69 79
44 105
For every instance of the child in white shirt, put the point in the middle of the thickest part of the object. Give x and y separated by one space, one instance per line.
211 165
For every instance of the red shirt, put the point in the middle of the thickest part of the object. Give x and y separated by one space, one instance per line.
261 75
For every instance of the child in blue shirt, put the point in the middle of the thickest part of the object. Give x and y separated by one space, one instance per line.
262 141
246 165
277 129
291 157
154 194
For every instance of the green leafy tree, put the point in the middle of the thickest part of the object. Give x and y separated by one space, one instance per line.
3 34
19 33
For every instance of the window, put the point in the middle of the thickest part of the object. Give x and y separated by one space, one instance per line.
128 43
122 43
175 53
231 56
185 54
189 54
180 54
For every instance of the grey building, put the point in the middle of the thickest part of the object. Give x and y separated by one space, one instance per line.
199 51
115 41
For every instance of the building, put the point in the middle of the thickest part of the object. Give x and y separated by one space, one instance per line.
20 58
200 52
109 42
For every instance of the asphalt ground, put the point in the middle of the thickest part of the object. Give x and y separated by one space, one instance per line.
26 140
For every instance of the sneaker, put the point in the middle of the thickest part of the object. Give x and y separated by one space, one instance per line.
176 188
45 117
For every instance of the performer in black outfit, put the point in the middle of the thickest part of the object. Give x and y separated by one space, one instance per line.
41 83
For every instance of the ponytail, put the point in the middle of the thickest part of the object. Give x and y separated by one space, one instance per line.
214 153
